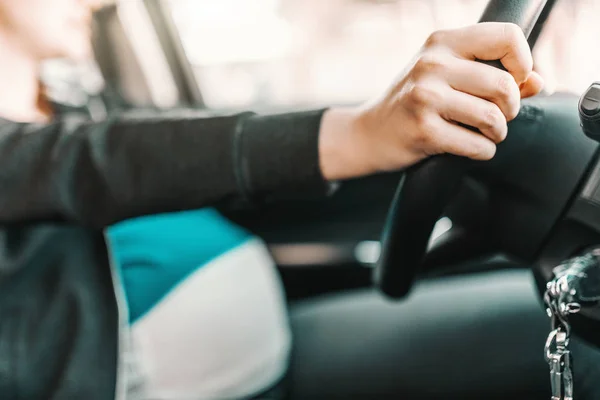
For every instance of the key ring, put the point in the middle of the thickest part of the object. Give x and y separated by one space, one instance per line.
550 344
556 344
559 302
559 306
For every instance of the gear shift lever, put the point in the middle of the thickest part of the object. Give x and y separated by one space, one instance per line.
589 111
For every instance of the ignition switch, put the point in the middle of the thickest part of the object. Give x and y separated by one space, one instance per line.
589 111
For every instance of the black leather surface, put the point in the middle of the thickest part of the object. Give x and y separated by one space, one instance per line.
524 13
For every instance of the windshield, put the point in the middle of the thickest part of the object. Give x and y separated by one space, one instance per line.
305 53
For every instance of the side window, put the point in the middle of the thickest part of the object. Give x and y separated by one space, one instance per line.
567 54
296 53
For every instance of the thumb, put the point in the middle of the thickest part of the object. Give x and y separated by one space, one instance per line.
532 85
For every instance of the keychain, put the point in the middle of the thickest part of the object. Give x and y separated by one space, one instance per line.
576 283
556 350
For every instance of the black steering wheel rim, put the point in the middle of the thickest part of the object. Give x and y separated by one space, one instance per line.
427 188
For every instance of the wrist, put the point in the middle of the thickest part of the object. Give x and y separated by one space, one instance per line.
342 144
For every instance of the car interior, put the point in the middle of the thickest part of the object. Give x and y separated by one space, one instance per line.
536 204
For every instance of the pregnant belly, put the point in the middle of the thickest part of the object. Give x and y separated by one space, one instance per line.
216 329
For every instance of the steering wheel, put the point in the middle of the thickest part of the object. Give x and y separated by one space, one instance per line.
426 188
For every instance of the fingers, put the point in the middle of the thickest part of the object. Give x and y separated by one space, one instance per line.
483 41
487 82
490 41
442 136
475 112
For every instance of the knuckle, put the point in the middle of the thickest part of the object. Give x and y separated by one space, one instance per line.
512 34
494 123
515 41
491 118
435 38
426 136
427 63
506 87
502 133
423 95
513 110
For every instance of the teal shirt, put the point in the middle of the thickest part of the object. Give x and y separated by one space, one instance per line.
156 253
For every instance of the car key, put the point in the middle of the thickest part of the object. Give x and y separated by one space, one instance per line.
576 284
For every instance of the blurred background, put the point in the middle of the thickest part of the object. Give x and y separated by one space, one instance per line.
281 54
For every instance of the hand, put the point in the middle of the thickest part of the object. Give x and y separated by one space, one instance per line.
419 115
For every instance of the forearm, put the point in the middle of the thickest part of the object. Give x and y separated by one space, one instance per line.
97 174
